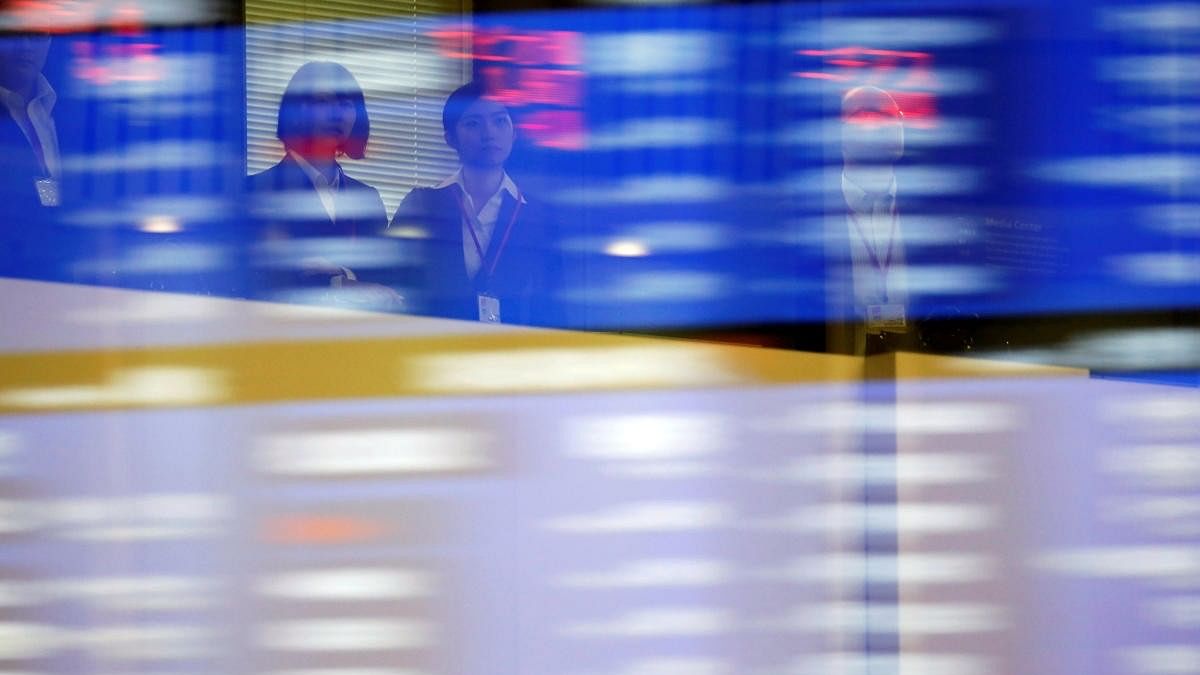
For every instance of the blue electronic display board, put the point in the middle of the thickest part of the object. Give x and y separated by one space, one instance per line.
692 159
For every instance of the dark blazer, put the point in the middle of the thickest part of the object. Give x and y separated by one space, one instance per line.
282 205
284 200
526 274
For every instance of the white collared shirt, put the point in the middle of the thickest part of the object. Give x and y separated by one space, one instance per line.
34 118
485 221
874 225
326 190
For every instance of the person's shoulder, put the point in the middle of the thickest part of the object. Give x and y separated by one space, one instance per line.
424 198
268 179
433 208
356 184
439 191
419 193
363 190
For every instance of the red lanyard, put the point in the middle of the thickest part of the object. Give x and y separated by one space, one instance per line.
471 220
883 266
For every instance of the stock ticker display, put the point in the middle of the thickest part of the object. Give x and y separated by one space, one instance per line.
690 156
197 481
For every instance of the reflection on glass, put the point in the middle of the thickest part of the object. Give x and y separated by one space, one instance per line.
485 254
307 195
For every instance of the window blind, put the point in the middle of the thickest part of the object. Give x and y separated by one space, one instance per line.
386 45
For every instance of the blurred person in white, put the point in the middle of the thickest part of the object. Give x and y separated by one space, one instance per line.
487 255
308 196
872 142
30 165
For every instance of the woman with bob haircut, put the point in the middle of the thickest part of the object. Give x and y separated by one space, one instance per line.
489 251
307 195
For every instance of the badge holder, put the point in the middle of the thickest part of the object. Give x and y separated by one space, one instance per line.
489 308
47 191
887 318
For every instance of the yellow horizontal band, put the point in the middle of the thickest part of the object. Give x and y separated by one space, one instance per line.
520 362
498 364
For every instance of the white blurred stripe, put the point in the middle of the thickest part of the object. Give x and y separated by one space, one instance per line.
662 516
1168 562
660 132
568 368
660 52
650 189
347 584
372 451
905 568
893 32
1155 173
645 437
912 518
345 635
152 386
24 641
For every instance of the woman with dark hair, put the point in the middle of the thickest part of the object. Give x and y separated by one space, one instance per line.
488 253
315 221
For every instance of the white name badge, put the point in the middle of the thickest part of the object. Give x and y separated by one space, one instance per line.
886 318
489 308
47 189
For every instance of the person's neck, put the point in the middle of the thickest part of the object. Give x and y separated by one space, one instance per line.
874 179
481 183
320 158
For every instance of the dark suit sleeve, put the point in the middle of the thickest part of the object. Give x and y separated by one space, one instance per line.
257 229
411 226
376 223
371 227
413 210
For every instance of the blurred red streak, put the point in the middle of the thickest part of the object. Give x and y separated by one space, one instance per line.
64 16
318 529
546 48
864 51
136 62
821 76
